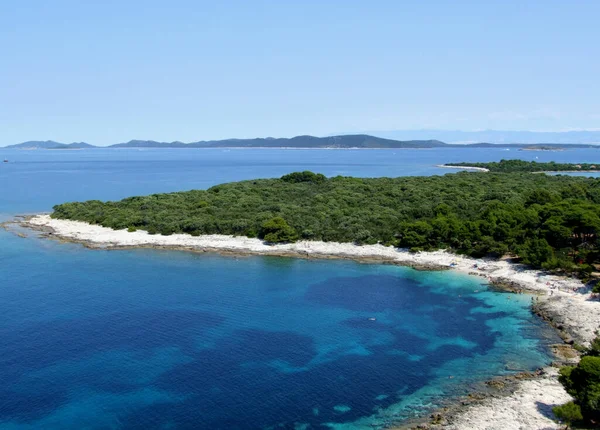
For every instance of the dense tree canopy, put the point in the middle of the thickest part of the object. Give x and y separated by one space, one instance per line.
549 221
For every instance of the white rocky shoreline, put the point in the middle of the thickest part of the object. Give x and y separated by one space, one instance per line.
529 407
450 166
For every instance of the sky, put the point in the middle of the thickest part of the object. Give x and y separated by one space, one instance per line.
108 71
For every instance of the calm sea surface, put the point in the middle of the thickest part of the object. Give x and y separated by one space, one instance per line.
147 339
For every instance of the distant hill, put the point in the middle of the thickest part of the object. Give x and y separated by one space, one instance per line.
50 144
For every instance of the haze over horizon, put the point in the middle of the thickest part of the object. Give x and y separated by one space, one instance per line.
202 70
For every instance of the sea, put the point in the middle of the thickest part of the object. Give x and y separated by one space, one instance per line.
151 339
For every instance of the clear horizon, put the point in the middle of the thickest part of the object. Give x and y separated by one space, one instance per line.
112 72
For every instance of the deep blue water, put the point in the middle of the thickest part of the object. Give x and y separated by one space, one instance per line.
148 339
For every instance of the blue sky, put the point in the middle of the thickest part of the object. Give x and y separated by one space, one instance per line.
109 71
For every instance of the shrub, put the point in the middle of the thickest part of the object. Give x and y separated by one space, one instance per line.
569 413
306 176
536 251
277 230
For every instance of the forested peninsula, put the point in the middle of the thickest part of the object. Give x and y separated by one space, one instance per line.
513 166
550 222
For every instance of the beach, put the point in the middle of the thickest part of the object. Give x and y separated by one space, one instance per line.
564 301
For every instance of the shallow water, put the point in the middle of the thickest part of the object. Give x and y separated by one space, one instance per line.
163 339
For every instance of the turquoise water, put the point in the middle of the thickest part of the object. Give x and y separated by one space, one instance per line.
147 339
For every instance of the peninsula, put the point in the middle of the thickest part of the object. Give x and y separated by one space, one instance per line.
550 222
520 166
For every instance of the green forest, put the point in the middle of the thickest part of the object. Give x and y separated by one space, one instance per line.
514 166
548 221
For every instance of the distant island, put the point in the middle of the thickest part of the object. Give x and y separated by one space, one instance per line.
540 148
357 141
332 142
514 166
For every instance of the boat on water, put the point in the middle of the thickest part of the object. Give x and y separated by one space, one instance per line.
5 160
